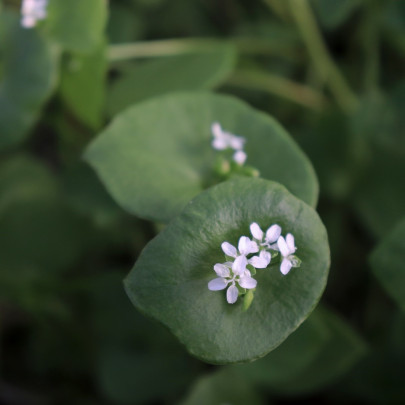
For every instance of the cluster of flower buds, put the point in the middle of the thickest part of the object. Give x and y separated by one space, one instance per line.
225 140
236 274
32 11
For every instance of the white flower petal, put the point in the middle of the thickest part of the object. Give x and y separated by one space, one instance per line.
285 266
290 243
217 284
282 246
247 282
221 270
236 142
229 250
257 233
240 157
232 294
216 130
239 265
273 233
246 246
219 144
261 261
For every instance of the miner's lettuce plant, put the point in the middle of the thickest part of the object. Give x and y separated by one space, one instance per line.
176 159
181 138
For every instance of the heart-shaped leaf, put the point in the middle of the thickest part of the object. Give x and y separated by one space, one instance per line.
169 280
157 155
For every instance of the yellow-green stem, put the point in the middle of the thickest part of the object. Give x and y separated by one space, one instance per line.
323 62
279 86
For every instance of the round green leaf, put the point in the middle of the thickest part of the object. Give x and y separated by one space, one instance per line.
169 280
157 155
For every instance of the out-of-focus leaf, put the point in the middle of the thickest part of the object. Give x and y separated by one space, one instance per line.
41 234
338 155
37 229
28 79
379 198
24 178
138 360
127 376
156 156
88 196
379 377
76 25
222 387
202 70
337 356
124 25
333 13
169 280
388 263
83 85
292 358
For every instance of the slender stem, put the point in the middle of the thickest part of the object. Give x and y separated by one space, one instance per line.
279 8
169 47
323 62
279 86
371 31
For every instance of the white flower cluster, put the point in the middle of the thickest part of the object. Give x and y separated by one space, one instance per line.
239 269
225 140
32 11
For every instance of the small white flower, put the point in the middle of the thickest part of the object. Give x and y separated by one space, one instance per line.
32 11
226 277
270 238
225 140
287 249
261 261
240 157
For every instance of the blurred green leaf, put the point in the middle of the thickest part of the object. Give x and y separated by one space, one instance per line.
157 155
334 13
338 354
388 263
379 198
169 280
87 195
83 85
124 25
222 387
76 25
128 376
292 358
28 79
137 360
25 178
202 70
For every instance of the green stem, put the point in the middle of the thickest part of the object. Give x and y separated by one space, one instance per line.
323 62
171 47
279 86
371 32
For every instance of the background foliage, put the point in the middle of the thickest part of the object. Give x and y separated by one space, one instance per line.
329 71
